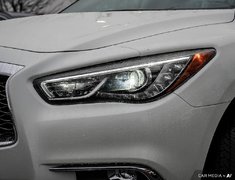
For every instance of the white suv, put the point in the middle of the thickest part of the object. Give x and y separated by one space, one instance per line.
119 90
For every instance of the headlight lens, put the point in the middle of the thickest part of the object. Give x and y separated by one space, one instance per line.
134 80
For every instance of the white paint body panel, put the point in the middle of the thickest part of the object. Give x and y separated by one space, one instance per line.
66 32
171 135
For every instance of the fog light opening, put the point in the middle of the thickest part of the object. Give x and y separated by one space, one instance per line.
122 175
109 171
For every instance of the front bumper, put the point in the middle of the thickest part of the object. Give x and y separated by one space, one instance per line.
168 135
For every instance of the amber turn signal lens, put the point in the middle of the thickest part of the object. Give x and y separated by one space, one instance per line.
199 60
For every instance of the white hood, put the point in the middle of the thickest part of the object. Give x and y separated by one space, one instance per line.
83 31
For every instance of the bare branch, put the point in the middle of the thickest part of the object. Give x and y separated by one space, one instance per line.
34 6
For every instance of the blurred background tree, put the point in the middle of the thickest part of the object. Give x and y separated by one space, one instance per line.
34 6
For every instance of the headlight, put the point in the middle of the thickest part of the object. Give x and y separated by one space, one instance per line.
134 80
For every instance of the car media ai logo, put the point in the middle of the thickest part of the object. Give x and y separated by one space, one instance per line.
219 176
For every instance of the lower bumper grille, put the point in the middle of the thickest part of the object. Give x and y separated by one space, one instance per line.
7 128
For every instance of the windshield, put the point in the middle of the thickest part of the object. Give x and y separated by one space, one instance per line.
128 5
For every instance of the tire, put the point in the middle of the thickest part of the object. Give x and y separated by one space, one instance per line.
225 156
221 156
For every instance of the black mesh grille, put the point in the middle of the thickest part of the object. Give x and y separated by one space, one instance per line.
7 129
